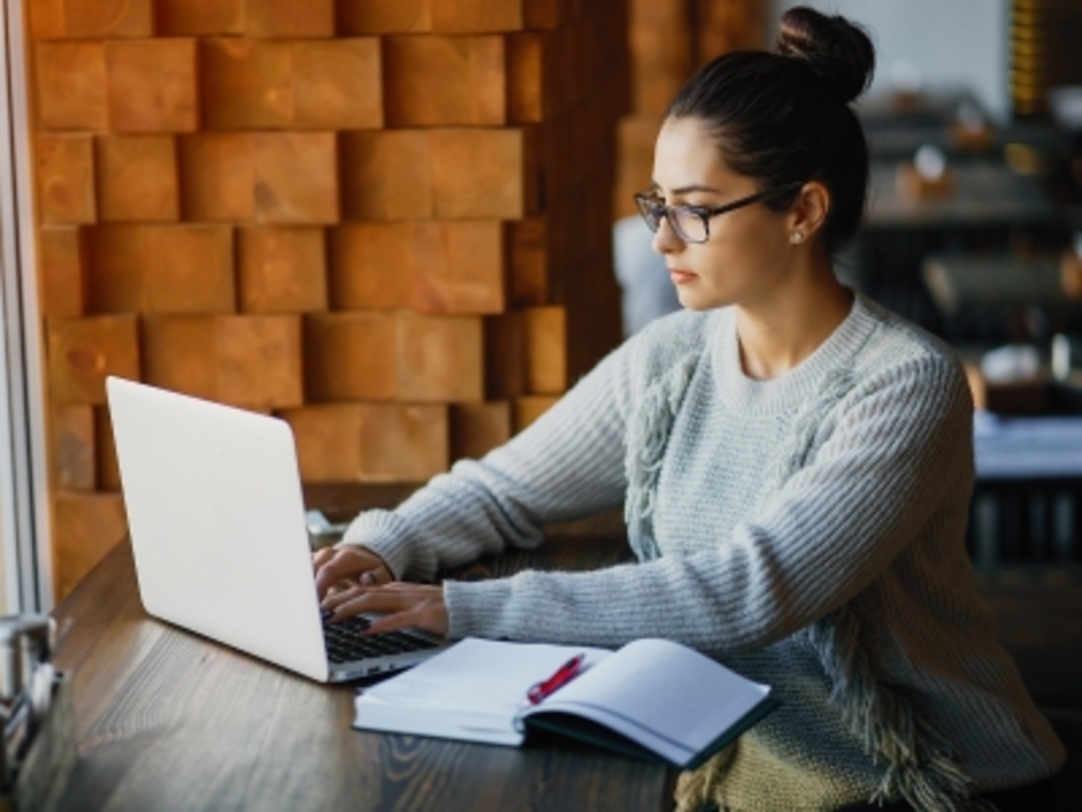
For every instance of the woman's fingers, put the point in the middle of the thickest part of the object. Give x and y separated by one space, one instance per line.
334 565
401 604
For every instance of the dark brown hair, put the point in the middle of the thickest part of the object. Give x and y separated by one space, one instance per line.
782 118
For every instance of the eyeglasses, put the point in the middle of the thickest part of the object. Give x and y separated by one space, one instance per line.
692 223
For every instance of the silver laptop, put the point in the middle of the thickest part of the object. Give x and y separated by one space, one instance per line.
217 524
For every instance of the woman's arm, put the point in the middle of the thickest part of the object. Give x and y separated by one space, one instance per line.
830 530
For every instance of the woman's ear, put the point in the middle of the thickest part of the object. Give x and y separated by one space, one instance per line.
809 211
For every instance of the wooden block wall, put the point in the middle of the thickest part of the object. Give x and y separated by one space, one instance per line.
669 40
386 222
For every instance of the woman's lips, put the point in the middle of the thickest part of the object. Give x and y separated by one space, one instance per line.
680 276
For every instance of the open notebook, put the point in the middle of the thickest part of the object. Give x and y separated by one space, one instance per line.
651 699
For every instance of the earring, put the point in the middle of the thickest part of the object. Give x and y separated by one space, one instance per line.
797 237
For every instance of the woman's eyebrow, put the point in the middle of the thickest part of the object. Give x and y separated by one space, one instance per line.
683 190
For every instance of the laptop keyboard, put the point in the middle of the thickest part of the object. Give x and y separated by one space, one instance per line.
345 641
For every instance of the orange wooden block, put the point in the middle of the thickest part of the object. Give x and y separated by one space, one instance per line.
350 356
200 17
530 71
381 17
259 361
337 84
82 352
477 428
328 441
386 175
282 270
439 81
94 19
482 174
46 19
61 271
439 358
86 527
65 175
296 178
460 267
545 342
217 176
137 178
162 269
372 265
73 447
248 361
530 282
152 85
477 16
71 85
107 469
403 443
545 14
290 18
527 409
505 355
247 84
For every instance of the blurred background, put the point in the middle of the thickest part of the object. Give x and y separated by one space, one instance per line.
406 228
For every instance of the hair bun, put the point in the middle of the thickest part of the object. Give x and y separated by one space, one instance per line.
836 49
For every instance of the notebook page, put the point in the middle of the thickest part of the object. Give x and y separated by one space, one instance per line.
662 694
474 685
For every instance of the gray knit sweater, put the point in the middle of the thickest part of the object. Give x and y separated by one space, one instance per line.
807 531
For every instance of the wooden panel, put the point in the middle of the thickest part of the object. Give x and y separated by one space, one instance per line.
46 19
477 16
350 356
137 178
328 441
247 84
82 352
87 526
152 85
386 175
61 271
71 85
372 265
477 428
217 177
290 18
529 277
525 410
248 361
73 438
296 177
403 443
282 270
438 81
101 19
505 355
381 17
544 13
337 84
108 469
259 361
439 358
195 17
162 269
530 71
545 341
65 175
481 174
460 268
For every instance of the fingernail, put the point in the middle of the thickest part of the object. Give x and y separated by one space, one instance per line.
326 614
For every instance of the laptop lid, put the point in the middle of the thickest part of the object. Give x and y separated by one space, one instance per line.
216 518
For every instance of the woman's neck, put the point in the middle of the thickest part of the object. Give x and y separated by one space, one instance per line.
776 335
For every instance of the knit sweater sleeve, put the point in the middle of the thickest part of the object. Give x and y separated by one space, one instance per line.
565 465
827 532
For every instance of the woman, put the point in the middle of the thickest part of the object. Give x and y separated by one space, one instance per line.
795 464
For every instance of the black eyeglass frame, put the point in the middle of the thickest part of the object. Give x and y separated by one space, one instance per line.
652 211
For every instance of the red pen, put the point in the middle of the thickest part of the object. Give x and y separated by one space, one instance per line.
564 674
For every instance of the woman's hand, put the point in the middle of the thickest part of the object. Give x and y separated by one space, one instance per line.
417 606
345 567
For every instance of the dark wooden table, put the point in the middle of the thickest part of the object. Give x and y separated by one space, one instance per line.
166 720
